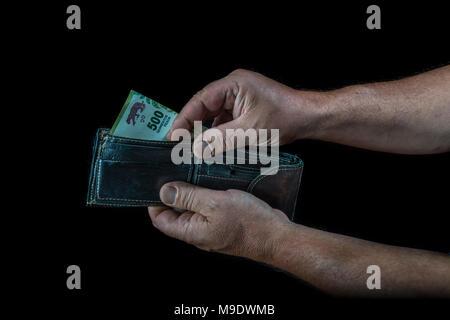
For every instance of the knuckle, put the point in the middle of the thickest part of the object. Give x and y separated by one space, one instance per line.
239 71
187 198
200 95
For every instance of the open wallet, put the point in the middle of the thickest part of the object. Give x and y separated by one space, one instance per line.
130 173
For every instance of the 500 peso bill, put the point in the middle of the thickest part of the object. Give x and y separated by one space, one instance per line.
143 118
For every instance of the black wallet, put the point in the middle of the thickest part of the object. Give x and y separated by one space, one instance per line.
130 173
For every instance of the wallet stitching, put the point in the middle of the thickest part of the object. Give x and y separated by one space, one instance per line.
245 168
122 205
299 176
99 166
113 138
258 179
93 180
223 178
96 166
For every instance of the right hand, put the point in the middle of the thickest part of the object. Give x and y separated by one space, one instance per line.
246 99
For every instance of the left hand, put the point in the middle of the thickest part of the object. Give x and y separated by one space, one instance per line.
232 221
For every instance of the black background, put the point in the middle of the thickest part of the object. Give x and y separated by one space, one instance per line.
79 79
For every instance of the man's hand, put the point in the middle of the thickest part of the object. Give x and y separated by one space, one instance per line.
232 222
409 116
245 100
237 223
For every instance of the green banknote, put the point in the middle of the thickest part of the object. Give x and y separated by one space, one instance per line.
143 118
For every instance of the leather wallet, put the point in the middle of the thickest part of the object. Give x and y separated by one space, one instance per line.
130 172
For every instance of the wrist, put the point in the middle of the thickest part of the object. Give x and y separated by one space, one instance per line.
274 242
337 110
313 113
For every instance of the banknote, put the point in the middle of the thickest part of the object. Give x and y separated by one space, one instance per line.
143 118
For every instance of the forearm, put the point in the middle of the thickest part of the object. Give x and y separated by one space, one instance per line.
410 116
338 264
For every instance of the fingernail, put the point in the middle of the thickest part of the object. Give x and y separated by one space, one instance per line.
168 195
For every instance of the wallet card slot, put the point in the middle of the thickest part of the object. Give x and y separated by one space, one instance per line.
132 153
152 164
131 181
153 143
217 183
230 171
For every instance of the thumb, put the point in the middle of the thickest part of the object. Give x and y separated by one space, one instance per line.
216 141
186 196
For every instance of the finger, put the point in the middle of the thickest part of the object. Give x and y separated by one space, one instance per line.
206 104
162 214
186 196
216 141
170 222
223 117
155 211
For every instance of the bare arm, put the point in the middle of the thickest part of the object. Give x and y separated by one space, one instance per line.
237 223
338 264
409 116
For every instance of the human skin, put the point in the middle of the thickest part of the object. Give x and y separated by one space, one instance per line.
410 116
